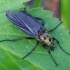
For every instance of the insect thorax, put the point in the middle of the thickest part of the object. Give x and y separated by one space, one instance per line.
45 37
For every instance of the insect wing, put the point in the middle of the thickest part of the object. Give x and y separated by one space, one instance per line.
25 22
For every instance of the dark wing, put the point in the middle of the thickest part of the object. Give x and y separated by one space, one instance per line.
25 22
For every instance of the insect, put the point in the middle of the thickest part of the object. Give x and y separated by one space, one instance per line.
35 29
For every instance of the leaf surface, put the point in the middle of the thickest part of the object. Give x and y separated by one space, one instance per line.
12 52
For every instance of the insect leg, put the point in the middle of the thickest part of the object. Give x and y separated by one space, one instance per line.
25 9
50 54
52 58
43 22
13 40
54 28
31 50
60 46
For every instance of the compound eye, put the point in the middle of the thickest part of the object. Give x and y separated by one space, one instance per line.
44 37
50 39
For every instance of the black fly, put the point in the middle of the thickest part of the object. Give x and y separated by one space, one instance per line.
33 28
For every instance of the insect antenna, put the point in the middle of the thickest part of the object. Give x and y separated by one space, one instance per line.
60 46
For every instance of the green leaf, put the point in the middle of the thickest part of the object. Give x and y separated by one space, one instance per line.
37 3
11 53
11 4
